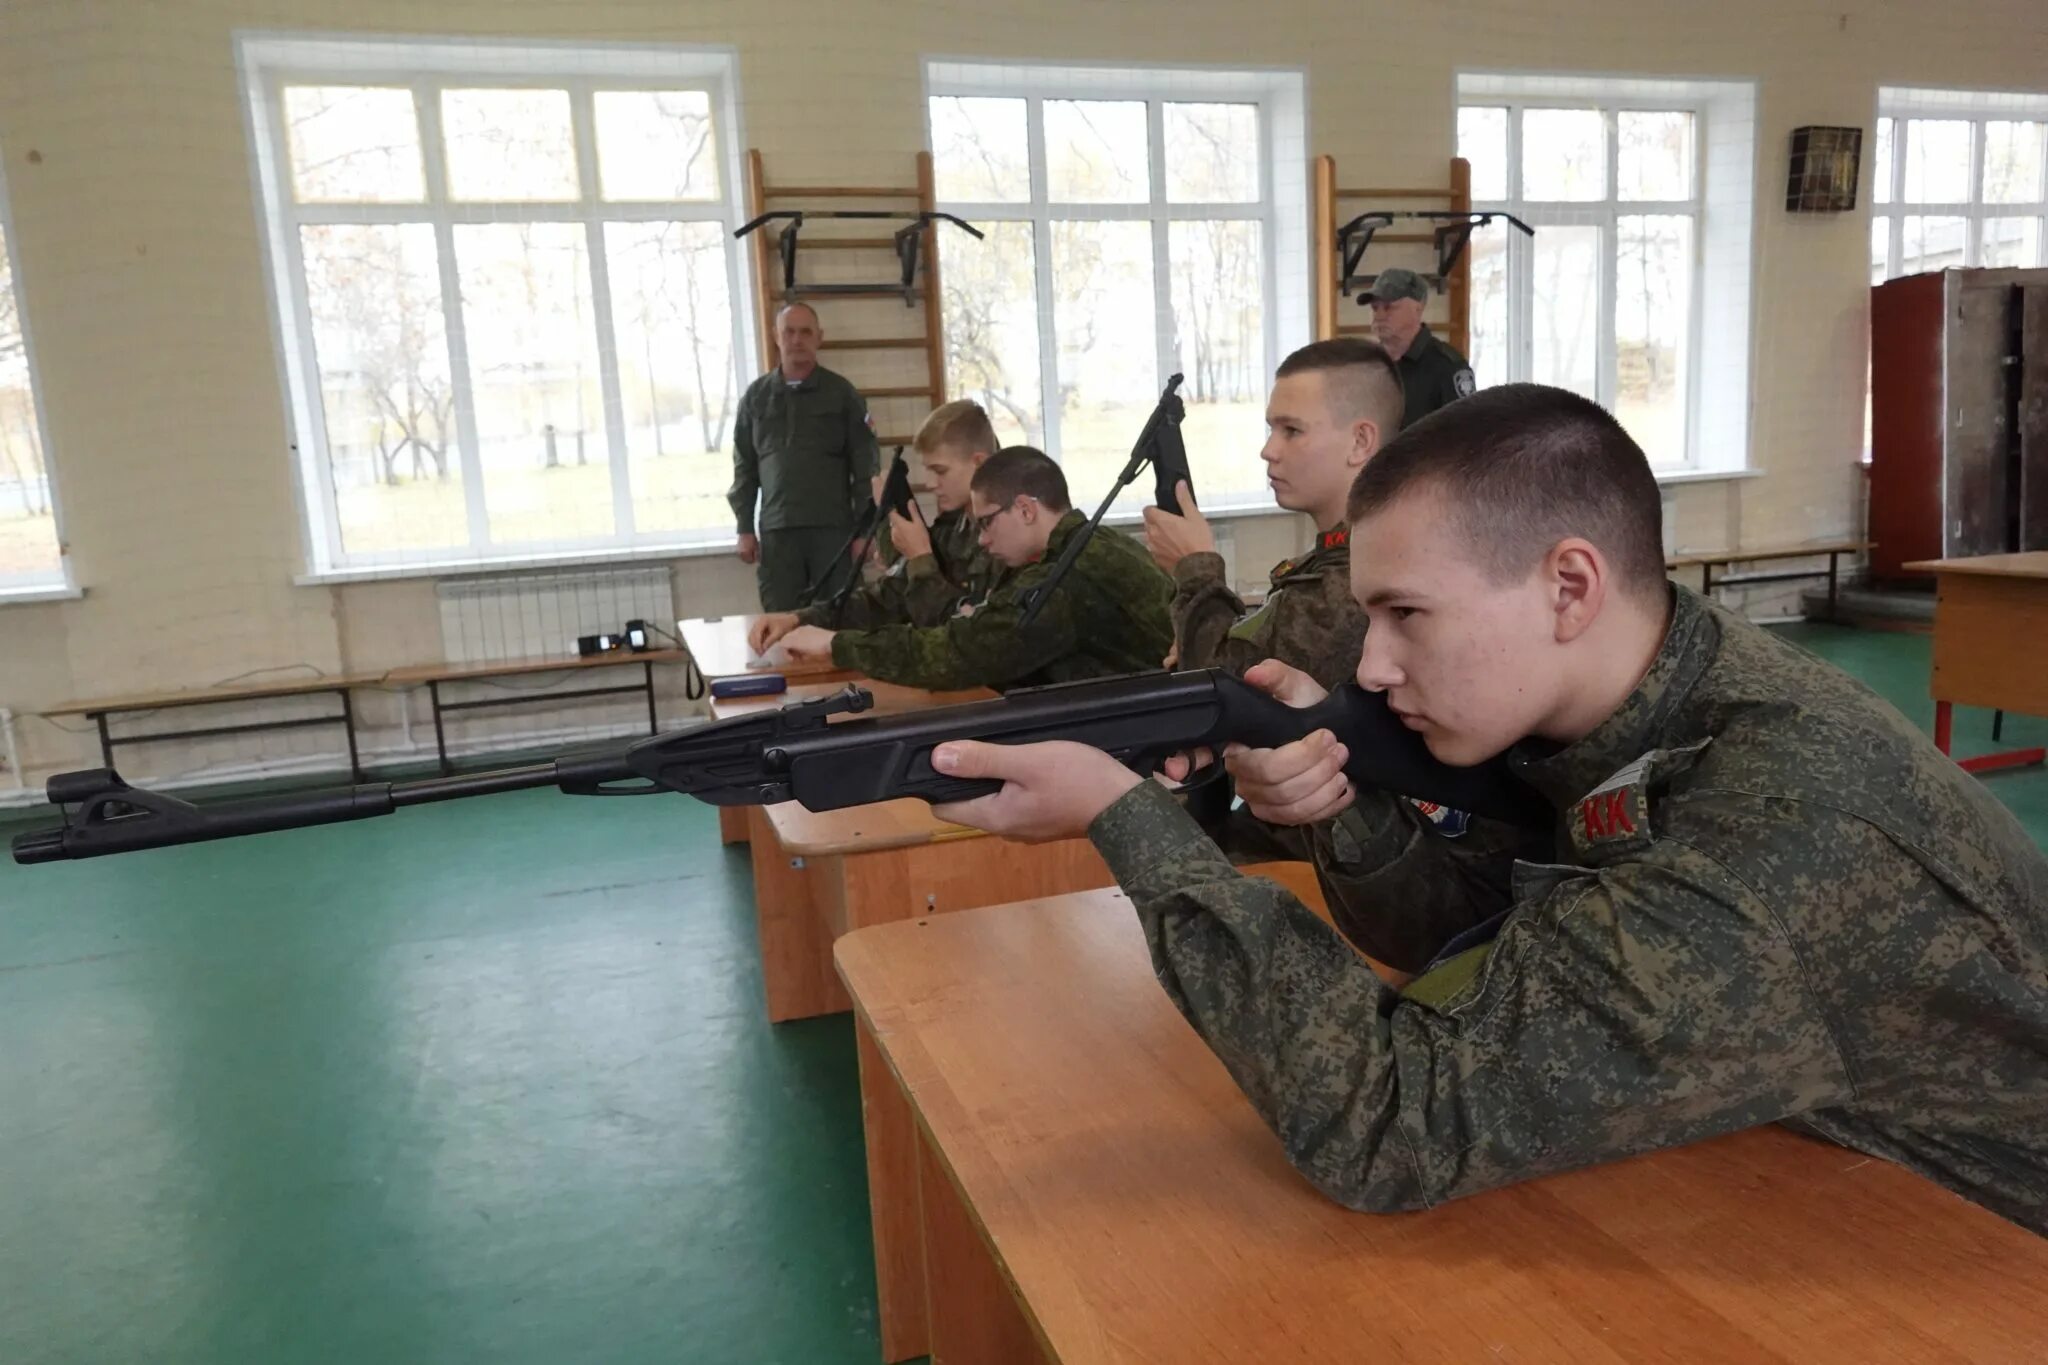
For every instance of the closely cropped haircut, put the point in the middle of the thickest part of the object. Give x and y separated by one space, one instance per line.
1362 379
1524 466
799 306
960 425
1022 470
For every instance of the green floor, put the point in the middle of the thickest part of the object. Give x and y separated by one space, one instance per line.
479 1082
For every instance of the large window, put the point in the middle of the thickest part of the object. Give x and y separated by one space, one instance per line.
31 554
1958 179
1139 224
507 296
1604 299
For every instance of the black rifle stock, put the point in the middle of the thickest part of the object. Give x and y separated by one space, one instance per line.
799 752
1158 445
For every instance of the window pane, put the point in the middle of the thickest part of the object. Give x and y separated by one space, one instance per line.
1212 153
1219 344
2012 163
28 526
1652 331
991 319
388 404
672 314
1564 154
1881 164
533 380
2011 242
353 145
1655 155
1483 141
656 144
1095 152
979 152
1937 161
1489 305
1880 250
1103 317
509 145
1931 244
1565 310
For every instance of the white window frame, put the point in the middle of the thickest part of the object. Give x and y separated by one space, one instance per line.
1976 108
58 583
1725 179
1281 209
269 62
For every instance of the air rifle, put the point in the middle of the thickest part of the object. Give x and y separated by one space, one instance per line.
800 752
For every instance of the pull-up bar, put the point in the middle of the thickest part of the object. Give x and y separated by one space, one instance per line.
908 242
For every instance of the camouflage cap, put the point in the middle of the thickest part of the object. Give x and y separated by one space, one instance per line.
1393 284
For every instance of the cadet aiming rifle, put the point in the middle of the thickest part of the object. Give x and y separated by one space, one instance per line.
1158 445
895 498
797 753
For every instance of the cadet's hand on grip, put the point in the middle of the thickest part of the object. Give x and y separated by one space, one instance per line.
1171 538
909 538
1050 791
1298 783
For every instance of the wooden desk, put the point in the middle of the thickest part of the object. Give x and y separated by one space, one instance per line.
98 709
718 649
1095 1189
437 675
734 822
1990 619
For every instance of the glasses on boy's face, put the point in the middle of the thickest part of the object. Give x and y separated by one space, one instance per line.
982 523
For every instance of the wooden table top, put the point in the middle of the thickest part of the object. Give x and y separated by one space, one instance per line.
1145 1214
199 696
421 673
719 645
2032 564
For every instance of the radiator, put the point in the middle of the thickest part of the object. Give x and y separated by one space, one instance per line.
496 617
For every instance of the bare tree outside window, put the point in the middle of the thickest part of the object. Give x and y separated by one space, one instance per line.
28 526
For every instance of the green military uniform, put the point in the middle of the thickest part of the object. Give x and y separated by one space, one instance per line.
1433 374
807 451
1771 899
925 590
1108 616
1310 621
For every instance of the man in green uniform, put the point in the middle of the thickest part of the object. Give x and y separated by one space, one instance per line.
1432 372
804 446
1107 616
1771 899
931 571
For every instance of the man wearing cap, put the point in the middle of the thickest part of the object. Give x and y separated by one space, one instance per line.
803 447
1432 372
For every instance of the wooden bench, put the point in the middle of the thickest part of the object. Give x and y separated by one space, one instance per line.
97 710
1092 1189
435 676
1707 563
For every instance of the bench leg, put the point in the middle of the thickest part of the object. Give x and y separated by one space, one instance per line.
1833 614
106 740
440 735
348 723
647 672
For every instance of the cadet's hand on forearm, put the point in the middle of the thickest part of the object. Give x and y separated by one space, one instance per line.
909 538
1171 538
1298 783
1050 791
809 642
766 630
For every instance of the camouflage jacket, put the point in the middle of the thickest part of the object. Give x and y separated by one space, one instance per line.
922 591
1309 618
805 452
1771 899
1108 616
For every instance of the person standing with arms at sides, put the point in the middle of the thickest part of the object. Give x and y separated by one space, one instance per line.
933 570
1770 898
1108 616
803 446
1432 372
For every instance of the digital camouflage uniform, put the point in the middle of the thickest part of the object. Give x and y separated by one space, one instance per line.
1433 375
1771 900
1310 621
807 452
925 590
1108 616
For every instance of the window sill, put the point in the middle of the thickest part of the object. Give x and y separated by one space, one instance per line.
56 593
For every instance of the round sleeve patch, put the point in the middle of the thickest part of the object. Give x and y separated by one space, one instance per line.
1464 382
